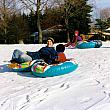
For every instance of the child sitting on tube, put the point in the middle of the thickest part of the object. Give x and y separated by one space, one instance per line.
60 48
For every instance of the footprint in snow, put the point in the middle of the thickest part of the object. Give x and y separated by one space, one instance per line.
65 86
85 99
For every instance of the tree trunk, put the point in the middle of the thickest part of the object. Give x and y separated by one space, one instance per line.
21 41
38 22
66 20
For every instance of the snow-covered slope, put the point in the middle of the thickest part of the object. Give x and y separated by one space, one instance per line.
87 88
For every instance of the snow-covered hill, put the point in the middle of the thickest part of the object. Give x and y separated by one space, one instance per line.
87 88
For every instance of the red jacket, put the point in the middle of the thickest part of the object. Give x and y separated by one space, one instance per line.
61 57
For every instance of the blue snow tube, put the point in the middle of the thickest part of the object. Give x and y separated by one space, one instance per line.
91 44
51 70
98 43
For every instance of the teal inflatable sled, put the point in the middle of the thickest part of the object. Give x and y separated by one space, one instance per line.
41 69
91 44
53 70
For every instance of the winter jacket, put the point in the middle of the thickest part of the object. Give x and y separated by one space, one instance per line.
49 54
61 57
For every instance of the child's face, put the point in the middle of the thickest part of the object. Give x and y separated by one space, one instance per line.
76 33
49 43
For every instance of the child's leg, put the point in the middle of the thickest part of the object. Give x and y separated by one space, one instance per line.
16 54
25 58
20 57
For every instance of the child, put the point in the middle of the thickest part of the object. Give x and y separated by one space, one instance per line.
76 39
47 53
61 56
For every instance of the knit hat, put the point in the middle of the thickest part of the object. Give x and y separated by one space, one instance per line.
60 48
50 38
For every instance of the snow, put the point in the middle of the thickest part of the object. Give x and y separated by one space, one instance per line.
86 88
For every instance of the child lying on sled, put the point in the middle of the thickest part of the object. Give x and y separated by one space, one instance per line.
60 48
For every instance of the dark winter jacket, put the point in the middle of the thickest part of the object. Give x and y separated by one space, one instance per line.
49 54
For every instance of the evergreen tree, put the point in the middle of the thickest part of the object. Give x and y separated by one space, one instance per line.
79 16
32 21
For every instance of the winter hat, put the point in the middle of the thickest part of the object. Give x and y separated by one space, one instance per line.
60 48
50 38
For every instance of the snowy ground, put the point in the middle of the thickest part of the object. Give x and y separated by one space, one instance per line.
87 88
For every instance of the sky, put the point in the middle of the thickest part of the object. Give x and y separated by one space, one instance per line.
102 3
86 88
97 6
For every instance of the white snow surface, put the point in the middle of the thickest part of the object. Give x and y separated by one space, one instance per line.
86 88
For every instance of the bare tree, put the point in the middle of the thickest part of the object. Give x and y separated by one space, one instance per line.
37 7
105 13
66 7
38 21
7 8
67 13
